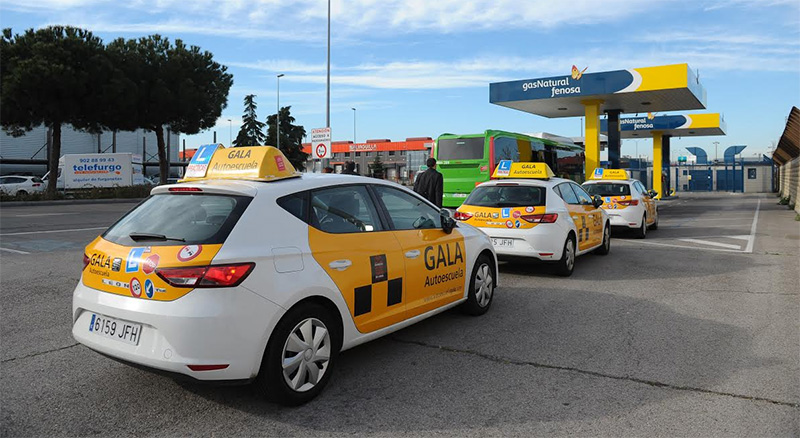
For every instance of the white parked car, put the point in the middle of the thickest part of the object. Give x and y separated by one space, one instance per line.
251 271
17 185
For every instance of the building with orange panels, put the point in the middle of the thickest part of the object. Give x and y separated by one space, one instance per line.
401 159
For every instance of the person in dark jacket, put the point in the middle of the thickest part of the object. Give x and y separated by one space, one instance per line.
349 168
430 183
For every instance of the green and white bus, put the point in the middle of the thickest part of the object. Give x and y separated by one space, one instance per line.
468 160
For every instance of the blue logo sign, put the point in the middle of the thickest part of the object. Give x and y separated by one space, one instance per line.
506 212
132 265
505 165
598 173
149 289
204 153
517 223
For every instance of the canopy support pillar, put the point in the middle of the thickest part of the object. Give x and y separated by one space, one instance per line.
592 133
613 139
658 160
665 159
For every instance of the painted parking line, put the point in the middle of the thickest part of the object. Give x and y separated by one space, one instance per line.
708 242
52 231
708 245
15 251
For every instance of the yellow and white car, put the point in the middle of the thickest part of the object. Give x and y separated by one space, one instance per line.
250 271
628 203
528 212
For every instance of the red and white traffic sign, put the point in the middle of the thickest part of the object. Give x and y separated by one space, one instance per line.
321 142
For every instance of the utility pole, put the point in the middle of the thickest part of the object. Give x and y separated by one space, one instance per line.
716 154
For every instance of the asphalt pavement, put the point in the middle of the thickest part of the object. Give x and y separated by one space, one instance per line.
693 331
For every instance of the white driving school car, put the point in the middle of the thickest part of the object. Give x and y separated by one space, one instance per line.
530 213
626 201
251 271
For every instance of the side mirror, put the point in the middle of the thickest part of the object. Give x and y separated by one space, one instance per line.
652 193
597 201
448 223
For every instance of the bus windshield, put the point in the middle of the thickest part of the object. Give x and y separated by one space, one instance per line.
460 149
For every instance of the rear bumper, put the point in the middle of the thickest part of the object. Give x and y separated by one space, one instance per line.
629 217
544 242
204 327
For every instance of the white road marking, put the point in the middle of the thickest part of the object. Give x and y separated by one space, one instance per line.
679 246
745 237
752 240
53 231
43 214
14 251
706 242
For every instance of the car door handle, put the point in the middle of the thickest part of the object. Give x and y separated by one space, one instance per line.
340 265
414 253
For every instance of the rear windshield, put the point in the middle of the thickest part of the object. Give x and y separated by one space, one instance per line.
506 196
608 189
460 149
182 219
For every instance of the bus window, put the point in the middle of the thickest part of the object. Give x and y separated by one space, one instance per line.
460 149
505 148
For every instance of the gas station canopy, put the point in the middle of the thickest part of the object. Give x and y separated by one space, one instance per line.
638 90
690 125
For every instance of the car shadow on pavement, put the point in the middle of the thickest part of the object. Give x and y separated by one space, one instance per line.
547 356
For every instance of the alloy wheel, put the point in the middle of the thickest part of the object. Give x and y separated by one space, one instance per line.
306 354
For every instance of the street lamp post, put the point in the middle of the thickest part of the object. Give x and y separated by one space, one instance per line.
354 125
230 133
325 162
278 116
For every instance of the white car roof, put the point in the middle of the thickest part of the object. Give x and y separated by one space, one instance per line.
274 188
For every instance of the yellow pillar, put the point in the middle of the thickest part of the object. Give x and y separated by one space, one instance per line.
657 164
592 135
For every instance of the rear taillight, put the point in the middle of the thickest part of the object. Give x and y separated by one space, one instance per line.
548 218
462 216
85 261
206 276
628 202
36 185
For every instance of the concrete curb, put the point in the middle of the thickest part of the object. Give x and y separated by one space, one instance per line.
69 202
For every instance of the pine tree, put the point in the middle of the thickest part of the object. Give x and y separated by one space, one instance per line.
291 138
252 130
377 168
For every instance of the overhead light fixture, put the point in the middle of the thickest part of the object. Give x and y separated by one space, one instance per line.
562 109
646 103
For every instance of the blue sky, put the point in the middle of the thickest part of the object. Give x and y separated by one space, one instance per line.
421 68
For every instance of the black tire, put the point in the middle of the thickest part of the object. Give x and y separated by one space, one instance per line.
566 265
641 232
481 287
655 224
605 247
271 382
21 193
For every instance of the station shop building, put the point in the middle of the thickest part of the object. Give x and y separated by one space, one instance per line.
401 159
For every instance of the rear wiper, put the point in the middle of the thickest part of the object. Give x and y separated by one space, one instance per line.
136 237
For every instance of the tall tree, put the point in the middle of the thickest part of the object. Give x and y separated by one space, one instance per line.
291 138
252 131
49 76
177 86
376 167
